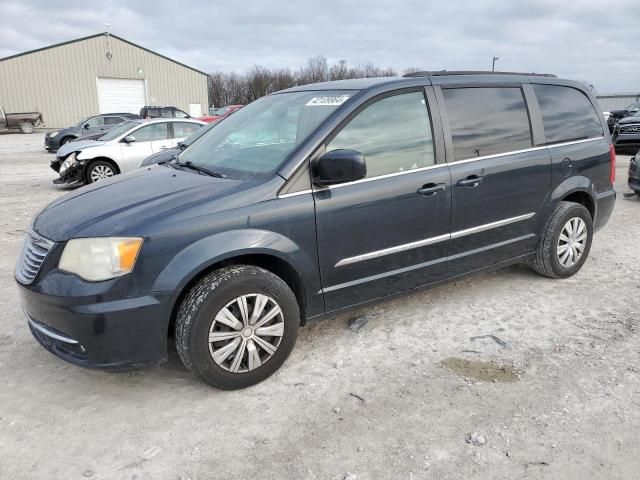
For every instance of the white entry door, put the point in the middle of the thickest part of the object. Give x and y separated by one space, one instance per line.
121 95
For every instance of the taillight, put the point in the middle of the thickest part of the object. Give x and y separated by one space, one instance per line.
612 172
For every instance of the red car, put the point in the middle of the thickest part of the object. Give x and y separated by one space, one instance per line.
220 113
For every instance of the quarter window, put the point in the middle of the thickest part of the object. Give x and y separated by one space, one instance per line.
394 134
181 114
567 114
487 121
153 132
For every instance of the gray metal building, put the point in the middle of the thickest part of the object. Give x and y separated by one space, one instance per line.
101 73
617 101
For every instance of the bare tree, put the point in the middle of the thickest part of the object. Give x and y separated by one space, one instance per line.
339 71
232 88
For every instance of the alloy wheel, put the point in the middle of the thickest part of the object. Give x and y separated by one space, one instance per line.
100 172
572 242
246 333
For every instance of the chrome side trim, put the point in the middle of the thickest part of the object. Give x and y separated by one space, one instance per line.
392 250
466 160
388 175
423 265
532 149
49 333
293 194
489 226
430 241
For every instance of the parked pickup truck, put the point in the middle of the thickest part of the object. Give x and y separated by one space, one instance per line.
25 122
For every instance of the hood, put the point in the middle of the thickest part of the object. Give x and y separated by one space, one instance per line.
71 147
627 120
129 205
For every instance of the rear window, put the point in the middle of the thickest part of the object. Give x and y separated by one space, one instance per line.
487 121
567 114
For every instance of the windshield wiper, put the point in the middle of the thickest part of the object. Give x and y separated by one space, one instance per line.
197 168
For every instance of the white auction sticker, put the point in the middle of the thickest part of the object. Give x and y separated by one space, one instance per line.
328 101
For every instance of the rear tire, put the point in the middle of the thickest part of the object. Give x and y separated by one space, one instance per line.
26 127
100 170
564 246
237 326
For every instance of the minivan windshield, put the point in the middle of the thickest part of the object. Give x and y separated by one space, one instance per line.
116 132
258 138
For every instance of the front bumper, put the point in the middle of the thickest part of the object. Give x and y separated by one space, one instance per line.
51 144
74 176
90 332
622 141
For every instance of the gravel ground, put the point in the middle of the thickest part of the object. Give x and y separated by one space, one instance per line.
398 391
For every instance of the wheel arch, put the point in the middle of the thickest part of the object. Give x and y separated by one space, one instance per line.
89 162
577 189
265 249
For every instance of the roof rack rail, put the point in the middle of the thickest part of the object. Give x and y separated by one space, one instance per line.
473 72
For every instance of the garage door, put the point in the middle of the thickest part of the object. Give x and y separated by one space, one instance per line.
120 95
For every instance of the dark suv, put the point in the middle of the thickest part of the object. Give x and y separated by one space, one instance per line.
162 112
87 128
310 201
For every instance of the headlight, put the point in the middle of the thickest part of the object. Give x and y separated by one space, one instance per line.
70 161
96 259
54 133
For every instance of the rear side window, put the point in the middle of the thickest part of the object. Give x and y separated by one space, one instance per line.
183 129
567 114
394 134
487 121
113 120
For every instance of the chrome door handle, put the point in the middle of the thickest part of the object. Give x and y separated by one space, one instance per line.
431 189
471 181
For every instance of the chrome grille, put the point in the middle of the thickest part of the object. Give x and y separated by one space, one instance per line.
629 128
34 251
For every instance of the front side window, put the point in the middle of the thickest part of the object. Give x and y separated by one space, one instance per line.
487 121
183 129
117 131
567 114
151 133
95 122
257 139
393 134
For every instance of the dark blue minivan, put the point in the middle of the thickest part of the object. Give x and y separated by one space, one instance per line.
310 201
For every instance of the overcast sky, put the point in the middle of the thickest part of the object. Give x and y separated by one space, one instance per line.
592 40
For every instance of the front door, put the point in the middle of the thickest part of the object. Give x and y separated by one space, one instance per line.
93 125
388 232
499 180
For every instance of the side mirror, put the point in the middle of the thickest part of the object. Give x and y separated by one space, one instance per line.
86 126
339 166
129 139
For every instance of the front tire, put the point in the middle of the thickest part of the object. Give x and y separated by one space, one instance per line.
26 127
566 241
99 170
237 326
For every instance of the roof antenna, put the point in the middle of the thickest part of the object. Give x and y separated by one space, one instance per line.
108 53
